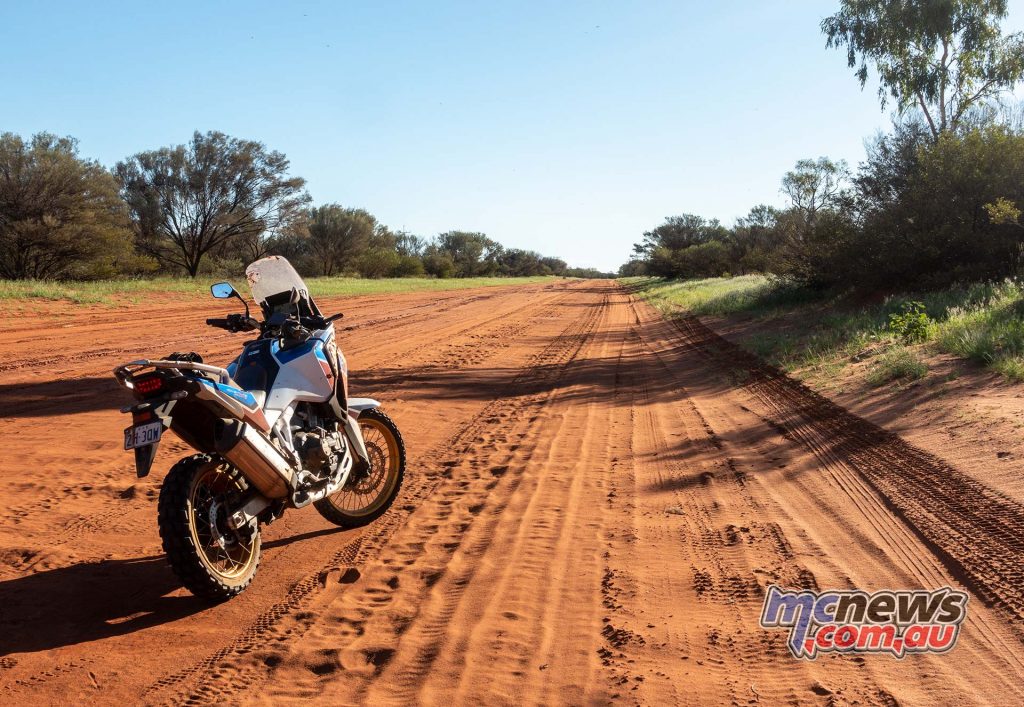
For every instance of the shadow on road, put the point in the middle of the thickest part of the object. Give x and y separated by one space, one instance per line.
95 600
88 601
61 397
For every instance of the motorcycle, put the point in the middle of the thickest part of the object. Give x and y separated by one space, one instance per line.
274 430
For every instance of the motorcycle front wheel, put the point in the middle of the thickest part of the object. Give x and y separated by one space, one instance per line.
368 493
211 560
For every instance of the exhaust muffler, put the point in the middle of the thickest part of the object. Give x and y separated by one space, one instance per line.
261 462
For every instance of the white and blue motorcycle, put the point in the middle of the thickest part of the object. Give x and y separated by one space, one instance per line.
274 430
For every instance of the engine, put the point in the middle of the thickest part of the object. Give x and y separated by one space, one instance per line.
321 451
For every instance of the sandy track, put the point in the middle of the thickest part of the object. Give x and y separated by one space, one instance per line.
530 558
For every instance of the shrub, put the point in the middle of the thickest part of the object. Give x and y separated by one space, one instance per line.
911 324
439 265
377 262
407 266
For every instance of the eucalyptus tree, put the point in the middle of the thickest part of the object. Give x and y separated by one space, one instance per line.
943 57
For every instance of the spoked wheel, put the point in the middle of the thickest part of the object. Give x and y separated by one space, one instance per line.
210 559
368 493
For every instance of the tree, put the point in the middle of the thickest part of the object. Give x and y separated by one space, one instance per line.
189 200
710 259
892 161
472 253
516 262
384 237
815 184
816 227
553 266
679 232
60 215
633 268
944 229
820 253
754 240
379 262
408 266
338 237
409 245
942 56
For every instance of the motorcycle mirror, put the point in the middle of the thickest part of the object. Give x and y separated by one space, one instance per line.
222 290
296 296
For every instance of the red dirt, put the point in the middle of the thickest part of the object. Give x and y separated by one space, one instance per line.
530 558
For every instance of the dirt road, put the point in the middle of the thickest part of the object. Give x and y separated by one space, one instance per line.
596 501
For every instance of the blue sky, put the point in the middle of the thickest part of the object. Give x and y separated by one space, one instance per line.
567 128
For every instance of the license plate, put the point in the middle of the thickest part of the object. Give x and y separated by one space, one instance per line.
141 435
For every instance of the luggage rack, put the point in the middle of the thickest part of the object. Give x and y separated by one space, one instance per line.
124 372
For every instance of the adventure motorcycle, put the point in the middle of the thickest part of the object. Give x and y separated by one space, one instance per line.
274 430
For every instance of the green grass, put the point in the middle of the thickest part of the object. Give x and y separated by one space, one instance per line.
755 294
898 364
118 291
823 332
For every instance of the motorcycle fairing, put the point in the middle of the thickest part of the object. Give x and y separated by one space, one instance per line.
304 376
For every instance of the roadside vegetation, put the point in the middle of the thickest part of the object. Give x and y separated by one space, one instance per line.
819 333
119 291
919 249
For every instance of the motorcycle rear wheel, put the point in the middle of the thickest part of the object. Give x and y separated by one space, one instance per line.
211 560
367 496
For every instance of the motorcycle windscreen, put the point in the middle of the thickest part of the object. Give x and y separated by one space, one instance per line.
271 281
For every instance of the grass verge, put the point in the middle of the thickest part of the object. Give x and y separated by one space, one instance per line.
114 291
820 333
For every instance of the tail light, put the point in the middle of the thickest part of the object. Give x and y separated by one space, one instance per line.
148 384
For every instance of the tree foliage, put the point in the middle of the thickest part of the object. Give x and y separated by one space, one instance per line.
189 200
338 237
943 57
815 185
60 215
473 254
917 214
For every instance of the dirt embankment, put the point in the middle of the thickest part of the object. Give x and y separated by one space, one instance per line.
597 499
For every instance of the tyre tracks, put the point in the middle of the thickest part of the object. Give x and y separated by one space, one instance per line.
977 532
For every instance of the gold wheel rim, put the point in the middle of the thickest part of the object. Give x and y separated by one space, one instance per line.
365 496
222 551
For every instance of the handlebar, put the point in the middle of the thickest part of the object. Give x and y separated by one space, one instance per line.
289 327
234 322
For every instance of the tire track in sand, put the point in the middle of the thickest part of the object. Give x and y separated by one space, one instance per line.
976 531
